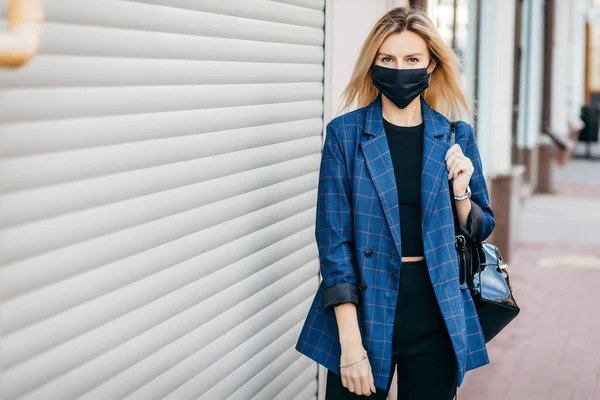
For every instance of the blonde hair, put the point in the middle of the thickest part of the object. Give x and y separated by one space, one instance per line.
444 94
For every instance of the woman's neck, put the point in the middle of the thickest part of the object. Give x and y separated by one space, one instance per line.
409 116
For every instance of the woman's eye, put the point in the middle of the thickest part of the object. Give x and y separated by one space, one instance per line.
386 59
413 60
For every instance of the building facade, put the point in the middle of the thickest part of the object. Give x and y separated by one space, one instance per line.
529 74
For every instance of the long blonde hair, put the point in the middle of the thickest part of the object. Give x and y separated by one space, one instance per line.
445 93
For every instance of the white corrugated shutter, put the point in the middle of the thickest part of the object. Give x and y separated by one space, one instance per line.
159 166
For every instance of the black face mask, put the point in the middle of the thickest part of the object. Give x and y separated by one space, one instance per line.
401 86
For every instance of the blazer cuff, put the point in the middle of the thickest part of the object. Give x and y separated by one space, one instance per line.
339 294
474 221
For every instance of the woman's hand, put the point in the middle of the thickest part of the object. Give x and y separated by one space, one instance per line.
460 168
357 378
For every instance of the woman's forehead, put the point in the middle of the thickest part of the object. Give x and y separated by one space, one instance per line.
403 44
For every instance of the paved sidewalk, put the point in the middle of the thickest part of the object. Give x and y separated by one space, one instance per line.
552 350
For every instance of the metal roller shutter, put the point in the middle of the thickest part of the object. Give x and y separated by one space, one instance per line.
159 166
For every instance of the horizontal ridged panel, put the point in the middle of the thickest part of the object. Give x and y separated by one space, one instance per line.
36 271
54 168
137 16
28 241
309 391
155 171
231 371
54 103
194 362
173 288
133 374
314 4
300 375
31 239
64 39
45 368
24 310
265 10
158 170
69 71
27 138
182 381
261 378
84 197
302 370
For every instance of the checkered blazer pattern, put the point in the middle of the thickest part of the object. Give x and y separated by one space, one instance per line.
358 236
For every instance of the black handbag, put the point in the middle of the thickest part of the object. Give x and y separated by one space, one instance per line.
484 272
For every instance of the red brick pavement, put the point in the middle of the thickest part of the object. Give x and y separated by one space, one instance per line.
552 350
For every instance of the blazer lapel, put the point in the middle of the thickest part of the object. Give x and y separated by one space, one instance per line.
379 164
376 151
434 172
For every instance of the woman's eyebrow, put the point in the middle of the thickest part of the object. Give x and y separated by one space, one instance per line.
406 56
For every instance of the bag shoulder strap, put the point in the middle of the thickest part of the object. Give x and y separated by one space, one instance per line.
452 133
451 183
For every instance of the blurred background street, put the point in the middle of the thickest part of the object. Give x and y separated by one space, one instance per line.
552 350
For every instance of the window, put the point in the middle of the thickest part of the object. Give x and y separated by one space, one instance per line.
457 22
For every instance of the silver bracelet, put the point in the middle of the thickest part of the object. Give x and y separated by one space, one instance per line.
363 357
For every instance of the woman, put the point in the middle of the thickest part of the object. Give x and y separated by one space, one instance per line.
390 295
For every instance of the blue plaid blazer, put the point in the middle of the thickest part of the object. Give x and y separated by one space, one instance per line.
358 237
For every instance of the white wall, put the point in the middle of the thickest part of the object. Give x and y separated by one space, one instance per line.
532 74
594 67
577 40
495 87
561 64
470 57
568 68
524 70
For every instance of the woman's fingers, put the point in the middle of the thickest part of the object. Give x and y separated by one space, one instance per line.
358 379
453 156
357 376
454 159
358 385
371 380
351 385
366 383
458 165
450 160
455 149
366 378
454 165
361 383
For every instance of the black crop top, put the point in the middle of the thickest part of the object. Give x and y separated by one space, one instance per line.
406 149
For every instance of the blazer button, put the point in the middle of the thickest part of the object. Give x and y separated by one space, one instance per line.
362 286
368 253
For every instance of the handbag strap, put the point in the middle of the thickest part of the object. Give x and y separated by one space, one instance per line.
451 183
460 240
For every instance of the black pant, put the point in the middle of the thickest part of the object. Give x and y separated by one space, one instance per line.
421 346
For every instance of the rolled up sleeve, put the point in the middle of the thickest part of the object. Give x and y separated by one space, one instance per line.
474 221
334 226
